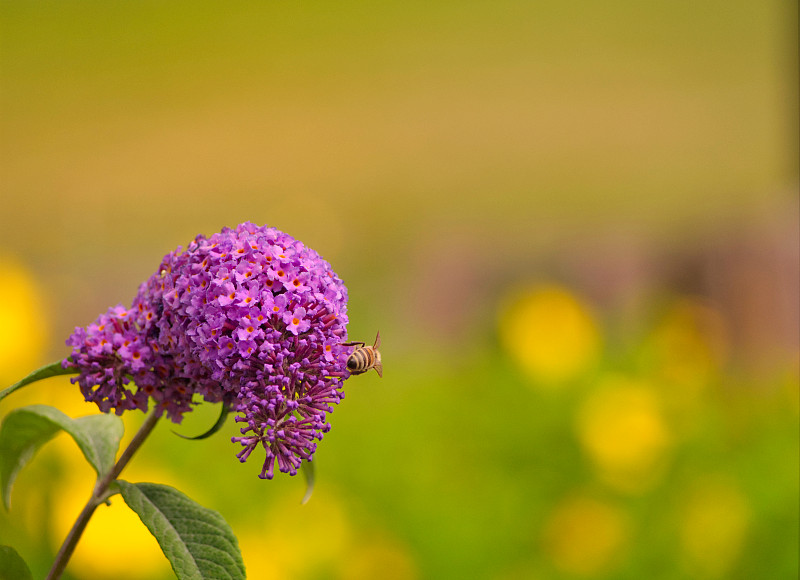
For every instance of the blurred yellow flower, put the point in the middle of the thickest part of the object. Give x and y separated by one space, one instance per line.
378 556
289 554
621 427
344 552
23 324
687 347
550 333
715 521
585 536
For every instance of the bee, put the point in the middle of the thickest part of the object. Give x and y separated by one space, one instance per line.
364 357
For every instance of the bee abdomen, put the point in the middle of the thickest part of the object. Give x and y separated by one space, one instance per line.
360 361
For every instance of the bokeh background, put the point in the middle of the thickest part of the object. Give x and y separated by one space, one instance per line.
575 225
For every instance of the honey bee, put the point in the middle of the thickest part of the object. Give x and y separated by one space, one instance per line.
364 357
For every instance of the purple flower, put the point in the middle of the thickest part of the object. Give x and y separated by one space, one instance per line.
249 317
296 320
248 296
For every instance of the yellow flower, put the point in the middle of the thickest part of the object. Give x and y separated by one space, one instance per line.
715 520
379 556
550 333
23 325
687 347
289 555
585 536
621 428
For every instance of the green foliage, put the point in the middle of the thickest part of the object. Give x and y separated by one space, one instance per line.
26 429
225 410
12 566
52 370
308 471
197 541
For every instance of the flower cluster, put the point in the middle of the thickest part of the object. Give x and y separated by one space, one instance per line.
249 317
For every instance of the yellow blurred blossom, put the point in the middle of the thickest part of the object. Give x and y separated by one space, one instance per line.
378 556
290 555
687 347
585 536
23 324
550 333
715 519
621 427
344 552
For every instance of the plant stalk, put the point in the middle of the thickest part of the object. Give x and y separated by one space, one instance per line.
99 495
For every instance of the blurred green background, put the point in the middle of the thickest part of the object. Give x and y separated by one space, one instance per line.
575 225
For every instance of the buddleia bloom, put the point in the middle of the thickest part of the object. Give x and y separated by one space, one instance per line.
249 317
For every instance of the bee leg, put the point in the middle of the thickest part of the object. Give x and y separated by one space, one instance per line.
354 343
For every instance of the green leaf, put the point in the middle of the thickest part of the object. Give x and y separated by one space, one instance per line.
47 371
197 541
26 429
308 471
12 566
214 428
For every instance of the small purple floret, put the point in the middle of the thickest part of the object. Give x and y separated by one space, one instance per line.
250 317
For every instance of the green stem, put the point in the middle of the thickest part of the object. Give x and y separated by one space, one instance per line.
100 495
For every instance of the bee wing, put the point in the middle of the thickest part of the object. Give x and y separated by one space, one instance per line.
379 368
377 344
